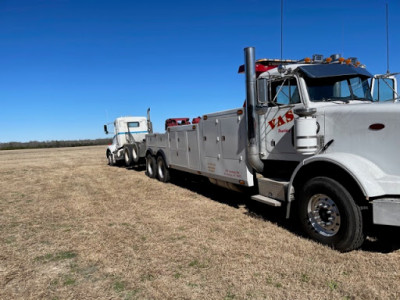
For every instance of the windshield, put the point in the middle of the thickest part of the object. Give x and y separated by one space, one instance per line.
338 89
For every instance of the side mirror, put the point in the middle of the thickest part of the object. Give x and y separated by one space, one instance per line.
105 129
384 88
262 90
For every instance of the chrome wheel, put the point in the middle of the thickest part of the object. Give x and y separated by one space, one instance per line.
134 154
160 169
328 214
127 158
150 166
323 215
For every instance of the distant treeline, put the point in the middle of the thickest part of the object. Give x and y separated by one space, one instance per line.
53 144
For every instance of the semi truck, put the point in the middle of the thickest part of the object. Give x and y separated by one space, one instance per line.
309 139
129 142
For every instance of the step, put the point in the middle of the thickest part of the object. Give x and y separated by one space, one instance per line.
271 188
267 200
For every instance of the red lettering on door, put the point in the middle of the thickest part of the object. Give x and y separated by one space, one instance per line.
280 121
289 116
272 123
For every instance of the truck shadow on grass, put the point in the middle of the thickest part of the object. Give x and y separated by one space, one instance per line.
382 239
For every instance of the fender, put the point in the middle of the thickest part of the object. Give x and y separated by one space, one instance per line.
161 153
372 180
149 151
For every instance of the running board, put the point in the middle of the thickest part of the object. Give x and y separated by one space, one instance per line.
267 200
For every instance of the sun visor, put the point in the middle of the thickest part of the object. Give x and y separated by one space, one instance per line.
333 70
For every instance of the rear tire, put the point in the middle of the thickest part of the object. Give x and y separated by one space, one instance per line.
128 155
150 166
135 154
329 215
163 173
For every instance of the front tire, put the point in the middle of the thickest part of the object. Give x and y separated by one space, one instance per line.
329 214
150 166
110 159
162 170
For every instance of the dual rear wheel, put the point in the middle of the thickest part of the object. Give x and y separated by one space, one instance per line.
131 155
163 173
157 168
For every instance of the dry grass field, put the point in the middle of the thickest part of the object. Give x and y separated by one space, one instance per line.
72 227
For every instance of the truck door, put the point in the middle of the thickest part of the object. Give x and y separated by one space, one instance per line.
283 98
384 88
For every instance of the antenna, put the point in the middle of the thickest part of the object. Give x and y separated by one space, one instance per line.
281 29
387 37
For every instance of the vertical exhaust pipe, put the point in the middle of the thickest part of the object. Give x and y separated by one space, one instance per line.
149 124
253 139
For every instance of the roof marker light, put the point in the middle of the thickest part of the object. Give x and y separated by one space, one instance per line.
341 60
318 58
335 57
353 60
307 60
328 60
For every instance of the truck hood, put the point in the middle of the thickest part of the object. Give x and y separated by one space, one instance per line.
370 130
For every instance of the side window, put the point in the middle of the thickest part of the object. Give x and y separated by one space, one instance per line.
132 125
383 89
285 92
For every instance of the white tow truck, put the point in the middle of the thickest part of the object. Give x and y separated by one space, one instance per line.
310 138
129 141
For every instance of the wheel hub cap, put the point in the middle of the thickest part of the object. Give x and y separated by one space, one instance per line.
323 215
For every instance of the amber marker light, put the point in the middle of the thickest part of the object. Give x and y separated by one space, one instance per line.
240 112
328 59
341 60
205 117
307 60
357 64
242 182
348 61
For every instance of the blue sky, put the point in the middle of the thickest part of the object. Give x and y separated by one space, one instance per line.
70 66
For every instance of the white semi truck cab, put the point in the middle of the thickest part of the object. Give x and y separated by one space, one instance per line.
129 141
310 138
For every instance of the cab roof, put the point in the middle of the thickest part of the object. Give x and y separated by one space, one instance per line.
333 70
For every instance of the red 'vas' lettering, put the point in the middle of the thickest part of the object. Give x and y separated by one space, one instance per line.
286 118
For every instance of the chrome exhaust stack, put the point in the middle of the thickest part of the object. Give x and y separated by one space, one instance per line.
253 138
149 123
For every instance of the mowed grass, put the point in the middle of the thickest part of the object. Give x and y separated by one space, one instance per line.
72 227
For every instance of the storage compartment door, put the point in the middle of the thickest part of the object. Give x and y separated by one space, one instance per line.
193 148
